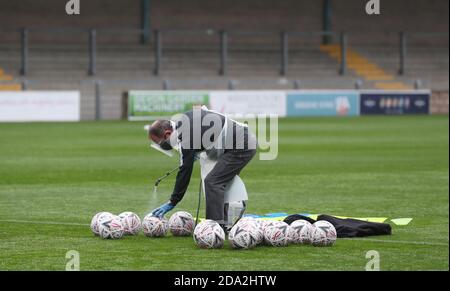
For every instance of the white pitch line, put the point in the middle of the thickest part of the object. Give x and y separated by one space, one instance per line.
399 241
43 222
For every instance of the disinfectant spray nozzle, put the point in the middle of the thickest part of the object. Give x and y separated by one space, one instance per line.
165 176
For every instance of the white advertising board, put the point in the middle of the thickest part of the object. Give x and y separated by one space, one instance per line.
39 106
248 102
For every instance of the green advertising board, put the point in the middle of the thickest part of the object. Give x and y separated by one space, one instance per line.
147 105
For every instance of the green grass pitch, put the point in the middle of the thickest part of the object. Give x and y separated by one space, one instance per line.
55 176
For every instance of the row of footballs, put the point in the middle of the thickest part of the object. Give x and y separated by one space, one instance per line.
250 232
110 226
245 234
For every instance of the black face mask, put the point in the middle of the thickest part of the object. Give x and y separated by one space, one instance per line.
165 145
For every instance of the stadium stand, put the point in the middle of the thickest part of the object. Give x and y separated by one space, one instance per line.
190 33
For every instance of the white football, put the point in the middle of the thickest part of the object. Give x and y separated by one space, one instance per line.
301 231
260 231
111 228
246 218
153 226
323 234
292 236
131 222
277 234
257 225
265 223
181 223
208 234
96 218
245 234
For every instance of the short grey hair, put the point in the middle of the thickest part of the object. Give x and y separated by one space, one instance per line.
159 127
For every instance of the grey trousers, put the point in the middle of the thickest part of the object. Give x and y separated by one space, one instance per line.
228 166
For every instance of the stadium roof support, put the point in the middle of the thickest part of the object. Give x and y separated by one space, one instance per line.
326 21
145 21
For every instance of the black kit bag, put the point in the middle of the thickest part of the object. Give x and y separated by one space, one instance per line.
347 227
291 218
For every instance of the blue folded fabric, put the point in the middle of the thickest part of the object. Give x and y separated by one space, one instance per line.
276 214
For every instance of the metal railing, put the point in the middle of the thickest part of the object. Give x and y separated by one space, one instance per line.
223 49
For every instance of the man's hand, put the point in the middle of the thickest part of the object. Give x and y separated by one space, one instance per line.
163 209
